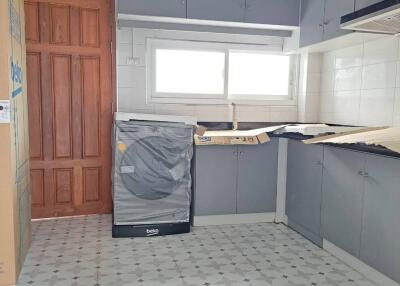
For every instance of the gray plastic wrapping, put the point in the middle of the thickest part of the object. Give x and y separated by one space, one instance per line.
151 172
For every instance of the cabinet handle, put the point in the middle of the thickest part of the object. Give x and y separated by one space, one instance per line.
320 163
366 175
241 153
235 153
361 173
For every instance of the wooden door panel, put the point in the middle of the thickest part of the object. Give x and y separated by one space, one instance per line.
92 184
32 30
61 87
70 95
37 183
64 185
90 69
35 106
60 24
90 27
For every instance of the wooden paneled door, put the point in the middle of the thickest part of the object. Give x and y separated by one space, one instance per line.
70 96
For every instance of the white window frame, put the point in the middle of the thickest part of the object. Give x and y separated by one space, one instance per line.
182 98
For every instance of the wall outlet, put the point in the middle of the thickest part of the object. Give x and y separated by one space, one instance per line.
5 111
133 61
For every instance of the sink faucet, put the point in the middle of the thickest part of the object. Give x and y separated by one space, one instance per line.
234 119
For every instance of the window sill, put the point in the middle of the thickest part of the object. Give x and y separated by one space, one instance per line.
204 101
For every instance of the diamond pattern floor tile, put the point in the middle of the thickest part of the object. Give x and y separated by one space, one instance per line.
80 251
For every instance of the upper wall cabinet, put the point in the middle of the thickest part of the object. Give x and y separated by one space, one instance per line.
311 22
273 12
268 12
320 20
161 8
221 10
334 10
364 3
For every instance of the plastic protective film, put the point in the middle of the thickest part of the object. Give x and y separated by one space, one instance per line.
151 172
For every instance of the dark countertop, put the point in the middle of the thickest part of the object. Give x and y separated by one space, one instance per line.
379 150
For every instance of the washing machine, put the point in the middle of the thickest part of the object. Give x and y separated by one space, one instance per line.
151 174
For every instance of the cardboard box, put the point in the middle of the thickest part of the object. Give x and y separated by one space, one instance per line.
235 137
388 137
15 201
316 129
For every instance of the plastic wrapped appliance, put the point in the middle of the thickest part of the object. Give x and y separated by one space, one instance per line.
151 174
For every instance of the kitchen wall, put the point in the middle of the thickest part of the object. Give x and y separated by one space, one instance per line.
131 82
360 85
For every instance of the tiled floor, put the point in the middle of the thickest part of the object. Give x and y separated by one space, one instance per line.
80 251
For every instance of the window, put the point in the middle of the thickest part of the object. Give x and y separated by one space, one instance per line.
202 72
258 75
195 72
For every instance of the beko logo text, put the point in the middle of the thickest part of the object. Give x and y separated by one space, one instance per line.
153 231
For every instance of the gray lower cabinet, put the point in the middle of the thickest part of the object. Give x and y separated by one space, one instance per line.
221 10
272 12
235 179
334 10
257 175
364 3
303 189
380 239
342 198
215 184
163 8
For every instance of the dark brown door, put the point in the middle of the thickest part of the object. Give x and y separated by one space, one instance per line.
70 96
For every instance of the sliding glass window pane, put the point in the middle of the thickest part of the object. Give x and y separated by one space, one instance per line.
189 72
261 75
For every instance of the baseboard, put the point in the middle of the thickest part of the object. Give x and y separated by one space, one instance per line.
285 220
233 219
358 265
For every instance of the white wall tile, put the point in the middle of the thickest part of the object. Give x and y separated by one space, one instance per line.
376 107
348 79
314 63
131 99
313 82
328 61
131 76
327 81
382 50
326 117
217 113
346 101
396 108
327 102
124 36
349 57
283 113
345 118
379 76
124 53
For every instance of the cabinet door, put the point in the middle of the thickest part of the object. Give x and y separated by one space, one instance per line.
334 10
303 189
342 193
164 8
273 12
215 188
311 22
364 3
256 179
221 10
380 239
